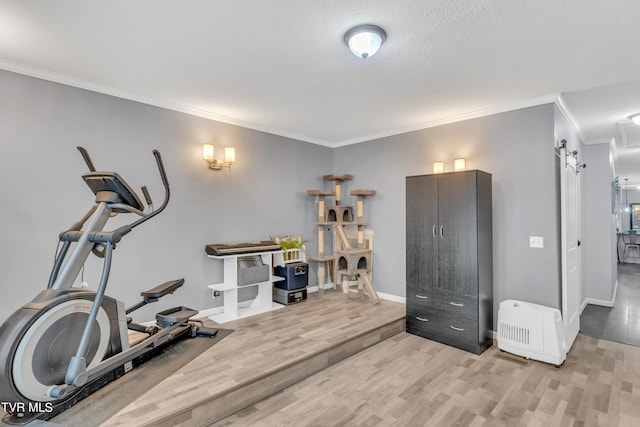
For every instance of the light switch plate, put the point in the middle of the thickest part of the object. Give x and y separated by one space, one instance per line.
536 242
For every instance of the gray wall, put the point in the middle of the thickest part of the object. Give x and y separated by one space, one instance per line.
42 192
517 148
263 195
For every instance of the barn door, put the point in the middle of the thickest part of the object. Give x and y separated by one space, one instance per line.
570 236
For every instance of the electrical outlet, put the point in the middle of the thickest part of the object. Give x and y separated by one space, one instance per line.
536 242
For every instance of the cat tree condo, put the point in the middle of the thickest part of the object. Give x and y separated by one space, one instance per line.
350 264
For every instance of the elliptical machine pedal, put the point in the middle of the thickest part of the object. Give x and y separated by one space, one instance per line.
174 315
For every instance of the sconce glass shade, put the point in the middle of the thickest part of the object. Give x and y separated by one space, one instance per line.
459 164
207 152
438 167
229 157
229 154
365 40
635 118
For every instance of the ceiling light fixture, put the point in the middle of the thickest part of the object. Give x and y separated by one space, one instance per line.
365 40
635 118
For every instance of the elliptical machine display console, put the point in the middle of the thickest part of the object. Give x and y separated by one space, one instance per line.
67 342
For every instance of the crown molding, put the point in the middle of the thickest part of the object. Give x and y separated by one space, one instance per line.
568 114
105 90
547 99
557 99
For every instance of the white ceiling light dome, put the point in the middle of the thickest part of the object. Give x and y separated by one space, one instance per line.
365 40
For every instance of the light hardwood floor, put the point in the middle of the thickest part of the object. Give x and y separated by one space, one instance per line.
361 369
265 354
410 381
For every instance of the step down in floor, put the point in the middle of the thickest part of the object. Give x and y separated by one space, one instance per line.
268 383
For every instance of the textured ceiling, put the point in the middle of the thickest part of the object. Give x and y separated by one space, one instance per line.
282 66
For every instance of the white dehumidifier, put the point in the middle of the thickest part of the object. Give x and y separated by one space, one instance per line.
532 331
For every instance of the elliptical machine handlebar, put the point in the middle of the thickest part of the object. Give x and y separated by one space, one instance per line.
167 192
87 158
122 186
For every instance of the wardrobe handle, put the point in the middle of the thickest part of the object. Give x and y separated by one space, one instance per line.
441 232
433 231
457 304
456 329
422 296
422 319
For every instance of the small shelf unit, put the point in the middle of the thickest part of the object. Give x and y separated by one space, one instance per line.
260 304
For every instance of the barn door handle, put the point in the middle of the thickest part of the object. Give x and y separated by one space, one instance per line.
441 232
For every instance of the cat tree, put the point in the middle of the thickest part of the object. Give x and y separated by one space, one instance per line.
349 262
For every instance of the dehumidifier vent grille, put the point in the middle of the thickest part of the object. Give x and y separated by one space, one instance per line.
515 333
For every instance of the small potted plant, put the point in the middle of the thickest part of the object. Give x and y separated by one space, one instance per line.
292 247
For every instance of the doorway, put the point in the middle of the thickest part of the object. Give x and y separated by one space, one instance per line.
620 323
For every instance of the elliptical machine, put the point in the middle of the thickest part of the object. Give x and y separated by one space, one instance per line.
68 342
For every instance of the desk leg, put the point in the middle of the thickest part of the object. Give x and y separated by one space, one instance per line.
231 296
231 304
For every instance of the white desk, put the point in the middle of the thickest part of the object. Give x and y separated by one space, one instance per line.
262 302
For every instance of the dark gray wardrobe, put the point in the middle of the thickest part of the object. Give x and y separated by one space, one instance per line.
449 259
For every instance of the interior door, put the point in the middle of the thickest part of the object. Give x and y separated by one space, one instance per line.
570 236
458 233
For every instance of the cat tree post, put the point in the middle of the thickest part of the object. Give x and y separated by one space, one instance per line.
321 258
338 184
360 195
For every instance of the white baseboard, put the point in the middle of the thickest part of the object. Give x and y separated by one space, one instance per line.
600 302
390 297
219 310
210 311
594 301
382 295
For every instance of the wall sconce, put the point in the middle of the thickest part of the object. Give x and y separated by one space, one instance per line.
229 157
438 167
460 164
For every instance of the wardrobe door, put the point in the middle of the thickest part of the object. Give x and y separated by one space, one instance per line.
422 250
457 233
